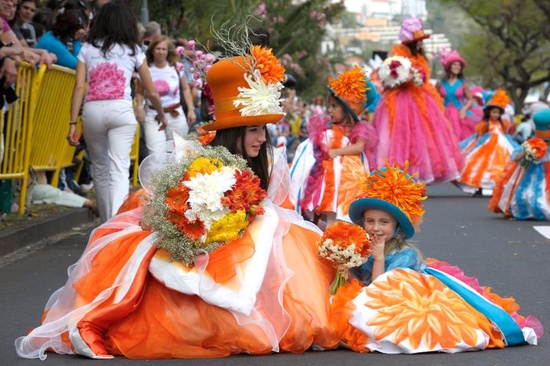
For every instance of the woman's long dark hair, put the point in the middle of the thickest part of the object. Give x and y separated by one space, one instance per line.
414 51
115 24
233 140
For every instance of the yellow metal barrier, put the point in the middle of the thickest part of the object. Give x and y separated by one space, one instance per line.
134 157
50 150
18 131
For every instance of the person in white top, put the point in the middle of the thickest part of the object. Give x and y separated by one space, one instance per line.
106 63
171 84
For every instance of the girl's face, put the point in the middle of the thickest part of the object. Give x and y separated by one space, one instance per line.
254 138
336 111
456 68
379 223
161 51
494 113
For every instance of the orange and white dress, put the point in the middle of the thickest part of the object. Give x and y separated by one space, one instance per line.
486 154
322 184
265 292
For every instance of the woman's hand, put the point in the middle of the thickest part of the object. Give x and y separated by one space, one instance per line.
73 137
462 113
139 114
162 121
191 117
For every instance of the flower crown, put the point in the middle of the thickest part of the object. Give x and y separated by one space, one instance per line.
202 202
499 99
392 184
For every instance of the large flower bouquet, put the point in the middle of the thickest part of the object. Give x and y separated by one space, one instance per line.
398 70
347 245
202 202
534 150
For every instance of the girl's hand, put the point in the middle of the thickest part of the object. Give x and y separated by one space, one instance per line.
462 114
332 153
377 246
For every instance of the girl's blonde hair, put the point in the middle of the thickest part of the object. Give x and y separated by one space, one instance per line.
398 242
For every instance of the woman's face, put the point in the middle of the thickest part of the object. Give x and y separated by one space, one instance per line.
379 223
494 113
254 138
456 68
160 52
335 111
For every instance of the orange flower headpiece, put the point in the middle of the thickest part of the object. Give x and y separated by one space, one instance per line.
391 189
499 99
352 89
246 90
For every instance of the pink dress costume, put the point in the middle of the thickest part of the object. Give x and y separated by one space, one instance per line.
323 184
415 305
487 151
257 287
454 99
523 190
410 121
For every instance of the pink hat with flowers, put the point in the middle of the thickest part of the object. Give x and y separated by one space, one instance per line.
411 31
448 57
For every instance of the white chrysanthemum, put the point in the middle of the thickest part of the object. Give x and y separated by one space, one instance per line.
206 192
395 71
260 98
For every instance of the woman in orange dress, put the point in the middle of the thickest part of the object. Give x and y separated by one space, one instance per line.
141 294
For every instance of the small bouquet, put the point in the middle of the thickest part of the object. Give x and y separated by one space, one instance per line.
418 76
202 202
347 245
534 149
395 71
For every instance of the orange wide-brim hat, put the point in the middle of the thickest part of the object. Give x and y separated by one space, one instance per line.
225 78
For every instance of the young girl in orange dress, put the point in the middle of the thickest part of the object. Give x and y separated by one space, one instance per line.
409 119
523 191
327 166
487 151
398 302
212 265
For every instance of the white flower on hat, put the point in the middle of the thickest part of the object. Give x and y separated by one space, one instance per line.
260 98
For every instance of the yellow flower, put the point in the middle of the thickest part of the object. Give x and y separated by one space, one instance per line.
204 166
228 227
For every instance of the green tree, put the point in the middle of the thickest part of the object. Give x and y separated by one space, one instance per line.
509 43
297 28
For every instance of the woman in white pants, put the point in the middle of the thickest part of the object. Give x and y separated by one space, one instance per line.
171 84
106 63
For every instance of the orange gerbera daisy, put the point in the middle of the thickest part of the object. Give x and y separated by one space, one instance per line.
272 71
343 234
539 146
245 193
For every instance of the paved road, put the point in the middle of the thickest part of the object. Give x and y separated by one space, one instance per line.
509 256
